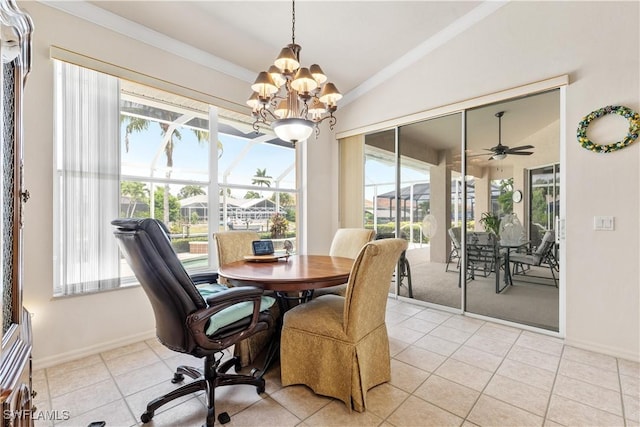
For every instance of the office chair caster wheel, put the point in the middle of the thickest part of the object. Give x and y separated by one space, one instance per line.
260 388
177 378
146 417
224 418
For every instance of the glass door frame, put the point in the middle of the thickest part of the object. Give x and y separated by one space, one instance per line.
560 83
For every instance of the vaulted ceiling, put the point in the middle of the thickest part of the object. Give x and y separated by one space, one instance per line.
359 44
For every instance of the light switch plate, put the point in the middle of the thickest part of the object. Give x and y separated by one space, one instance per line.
603 223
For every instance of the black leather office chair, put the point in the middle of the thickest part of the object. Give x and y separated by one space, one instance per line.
184 318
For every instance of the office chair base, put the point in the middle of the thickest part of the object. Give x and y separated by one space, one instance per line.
214 375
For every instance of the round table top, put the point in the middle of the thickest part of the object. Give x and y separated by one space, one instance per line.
297 273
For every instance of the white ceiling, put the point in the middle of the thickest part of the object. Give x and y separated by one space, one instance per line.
359 44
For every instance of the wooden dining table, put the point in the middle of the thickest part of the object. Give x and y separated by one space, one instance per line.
294 274
292 278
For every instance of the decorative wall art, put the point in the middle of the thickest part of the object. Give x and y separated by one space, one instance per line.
632 133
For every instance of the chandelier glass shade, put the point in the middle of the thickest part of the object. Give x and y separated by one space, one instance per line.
292 99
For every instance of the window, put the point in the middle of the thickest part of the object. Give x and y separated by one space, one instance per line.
127 150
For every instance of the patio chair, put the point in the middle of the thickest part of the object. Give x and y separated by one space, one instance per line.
454 254
543 254
404 269
483 254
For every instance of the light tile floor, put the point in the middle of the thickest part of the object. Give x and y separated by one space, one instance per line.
446 370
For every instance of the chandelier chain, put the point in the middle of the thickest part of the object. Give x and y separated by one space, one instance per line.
293 22
307 101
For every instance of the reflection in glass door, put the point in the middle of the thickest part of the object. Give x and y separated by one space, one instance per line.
380 173
431 194
413 191
544 200
515 202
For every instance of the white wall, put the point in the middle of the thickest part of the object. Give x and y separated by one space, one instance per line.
596 43
67 328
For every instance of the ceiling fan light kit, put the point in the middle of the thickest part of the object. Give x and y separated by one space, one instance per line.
292 99
500 152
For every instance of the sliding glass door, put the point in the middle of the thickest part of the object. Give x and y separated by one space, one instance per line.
430 192
475 229
413 191
514 203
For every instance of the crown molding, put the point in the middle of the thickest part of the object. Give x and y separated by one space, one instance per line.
457 27
113 22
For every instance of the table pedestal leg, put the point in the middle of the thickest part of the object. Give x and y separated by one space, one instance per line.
283 299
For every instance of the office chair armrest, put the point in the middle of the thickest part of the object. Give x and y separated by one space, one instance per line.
198 321
235 295
209 277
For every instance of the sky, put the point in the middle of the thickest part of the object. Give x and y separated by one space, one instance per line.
190 158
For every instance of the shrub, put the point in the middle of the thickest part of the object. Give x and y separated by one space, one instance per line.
181 245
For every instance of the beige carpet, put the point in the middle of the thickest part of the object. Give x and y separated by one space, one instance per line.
533 304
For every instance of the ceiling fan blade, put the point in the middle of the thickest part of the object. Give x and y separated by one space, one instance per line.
498 148
519 153
522 147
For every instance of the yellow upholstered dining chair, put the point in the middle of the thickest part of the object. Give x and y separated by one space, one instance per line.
346 243
232 246
338 346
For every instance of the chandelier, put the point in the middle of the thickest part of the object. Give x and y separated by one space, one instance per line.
294 100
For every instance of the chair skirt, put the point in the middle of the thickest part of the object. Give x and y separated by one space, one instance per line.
315 351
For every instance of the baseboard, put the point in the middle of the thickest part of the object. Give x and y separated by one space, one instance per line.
604 349
46 362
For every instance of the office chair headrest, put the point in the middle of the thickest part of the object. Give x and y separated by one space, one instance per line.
132 224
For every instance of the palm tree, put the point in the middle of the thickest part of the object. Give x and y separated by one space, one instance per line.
169 132
261 178
134 124
285 199
136 192
190 191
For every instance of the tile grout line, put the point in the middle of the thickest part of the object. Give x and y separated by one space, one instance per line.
482 392
385 420
553 386
624 415
123 397
433 373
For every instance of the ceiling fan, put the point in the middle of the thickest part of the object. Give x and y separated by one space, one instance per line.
500 151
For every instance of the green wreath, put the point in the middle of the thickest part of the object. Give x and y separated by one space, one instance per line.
632 134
